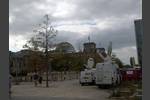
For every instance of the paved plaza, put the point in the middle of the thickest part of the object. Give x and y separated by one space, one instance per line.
61 90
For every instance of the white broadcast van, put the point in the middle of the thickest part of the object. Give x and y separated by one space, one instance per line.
107 74
88 75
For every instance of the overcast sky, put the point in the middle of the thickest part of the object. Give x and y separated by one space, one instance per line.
104 20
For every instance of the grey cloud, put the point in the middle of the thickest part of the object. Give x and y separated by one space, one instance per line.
28 14
122 36
65 36
91 9
25 14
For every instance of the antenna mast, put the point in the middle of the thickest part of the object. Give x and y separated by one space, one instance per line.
89 38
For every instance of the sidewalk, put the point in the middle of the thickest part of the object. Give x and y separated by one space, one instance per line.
66 90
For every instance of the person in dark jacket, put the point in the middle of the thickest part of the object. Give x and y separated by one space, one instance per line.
35 78
31 78
40 79
10 85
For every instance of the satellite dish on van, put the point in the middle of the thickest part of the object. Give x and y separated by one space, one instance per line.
90 63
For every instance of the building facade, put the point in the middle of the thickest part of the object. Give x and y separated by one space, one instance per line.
139 38
89 47
26 61
132 61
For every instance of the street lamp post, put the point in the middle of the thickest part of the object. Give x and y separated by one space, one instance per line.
16 72
46 52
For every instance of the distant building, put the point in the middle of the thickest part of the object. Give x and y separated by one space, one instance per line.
19 62
65 47
132 61
101 50
26 61
139 38
89 47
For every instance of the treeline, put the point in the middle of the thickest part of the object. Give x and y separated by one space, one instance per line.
34 61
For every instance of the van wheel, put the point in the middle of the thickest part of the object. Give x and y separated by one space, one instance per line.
82 84
99 86
117 82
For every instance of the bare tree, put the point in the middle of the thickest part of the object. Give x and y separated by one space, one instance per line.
43 41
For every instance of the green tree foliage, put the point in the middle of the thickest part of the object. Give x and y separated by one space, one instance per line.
119 62
34 62
65 62
127 66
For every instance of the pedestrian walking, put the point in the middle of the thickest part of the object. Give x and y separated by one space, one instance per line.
31 77
10 86
35 78
40 80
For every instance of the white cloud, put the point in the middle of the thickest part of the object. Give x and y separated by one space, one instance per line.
125 53
16 42
64 9
81 29
11 19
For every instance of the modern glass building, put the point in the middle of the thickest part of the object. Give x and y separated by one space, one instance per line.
139 38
